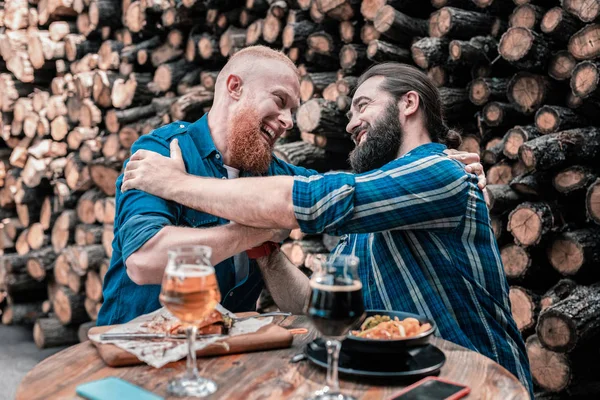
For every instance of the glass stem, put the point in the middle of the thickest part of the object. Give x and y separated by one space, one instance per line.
333 355
192 366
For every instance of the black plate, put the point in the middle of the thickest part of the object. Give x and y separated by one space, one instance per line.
415 363
386 347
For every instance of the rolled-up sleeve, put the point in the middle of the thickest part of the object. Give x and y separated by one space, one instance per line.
409 193
138 215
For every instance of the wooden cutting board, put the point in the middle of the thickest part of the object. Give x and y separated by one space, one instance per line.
266 338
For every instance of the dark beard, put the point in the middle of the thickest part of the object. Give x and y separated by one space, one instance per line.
382 144
249 152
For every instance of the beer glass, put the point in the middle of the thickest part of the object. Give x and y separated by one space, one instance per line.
336 304
190 292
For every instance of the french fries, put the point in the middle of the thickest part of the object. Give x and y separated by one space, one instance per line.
382 327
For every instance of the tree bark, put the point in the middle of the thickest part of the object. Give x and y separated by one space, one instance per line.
353 58
496 114
502 198
572 322
560 291
69 307
455 23
556 149
167 75
428 51
22 314
314 83
308 156
49 332
399 26
379 50
319 116
191 105
559 25
483 90
551 119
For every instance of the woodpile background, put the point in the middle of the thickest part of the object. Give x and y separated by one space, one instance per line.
81 80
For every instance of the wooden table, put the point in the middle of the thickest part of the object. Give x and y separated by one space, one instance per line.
261 375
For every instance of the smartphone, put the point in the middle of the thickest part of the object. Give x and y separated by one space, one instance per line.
114 388
432 388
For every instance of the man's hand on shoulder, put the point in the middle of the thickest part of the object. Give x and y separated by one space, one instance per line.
153 173
472 165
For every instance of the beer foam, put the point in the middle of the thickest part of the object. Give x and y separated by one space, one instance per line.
190 271
356 285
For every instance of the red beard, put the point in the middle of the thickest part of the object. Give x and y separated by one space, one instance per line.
246 142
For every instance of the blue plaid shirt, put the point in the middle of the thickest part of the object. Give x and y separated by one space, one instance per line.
139 216
421 229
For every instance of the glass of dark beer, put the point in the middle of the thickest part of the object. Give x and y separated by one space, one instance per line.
190 292
336 304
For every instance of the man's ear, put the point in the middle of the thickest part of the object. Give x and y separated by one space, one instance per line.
234 86
410 103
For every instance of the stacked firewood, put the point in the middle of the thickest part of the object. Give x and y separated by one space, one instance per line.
81 80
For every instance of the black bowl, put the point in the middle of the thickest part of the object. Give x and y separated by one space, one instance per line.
363 345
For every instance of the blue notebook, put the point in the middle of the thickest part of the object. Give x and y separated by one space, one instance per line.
113 388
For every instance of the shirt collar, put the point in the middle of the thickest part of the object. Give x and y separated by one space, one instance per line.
201 136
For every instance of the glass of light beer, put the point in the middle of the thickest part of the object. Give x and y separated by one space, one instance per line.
190 292
336 304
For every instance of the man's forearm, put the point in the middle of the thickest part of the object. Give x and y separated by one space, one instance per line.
289 287
257 202
147 265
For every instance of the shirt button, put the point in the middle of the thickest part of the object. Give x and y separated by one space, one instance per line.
182 126
218 156
231 294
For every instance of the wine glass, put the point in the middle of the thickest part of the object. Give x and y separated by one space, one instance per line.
190 292
336 304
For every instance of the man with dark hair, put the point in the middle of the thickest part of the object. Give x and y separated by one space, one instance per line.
415 218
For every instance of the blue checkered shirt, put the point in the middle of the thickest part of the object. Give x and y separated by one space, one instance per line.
422 232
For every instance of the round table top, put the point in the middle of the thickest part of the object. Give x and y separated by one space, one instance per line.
260 375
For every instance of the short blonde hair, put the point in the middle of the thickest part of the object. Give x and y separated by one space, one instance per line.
259 51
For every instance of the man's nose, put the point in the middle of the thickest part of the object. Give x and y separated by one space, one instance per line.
352 125
286 119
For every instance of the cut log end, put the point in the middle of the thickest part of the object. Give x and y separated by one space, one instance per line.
585 79
556 331
515 43
547 120
523 308
583 44
550 370
551 20
566 256
526 226
440 23
516 260
593 202
561 65
493 113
